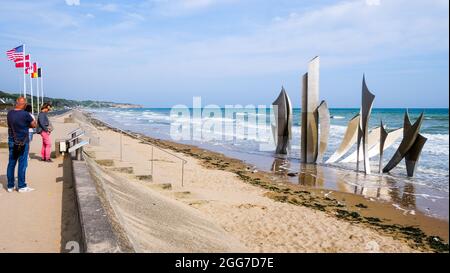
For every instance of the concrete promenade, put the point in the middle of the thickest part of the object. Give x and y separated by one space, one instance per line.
46 219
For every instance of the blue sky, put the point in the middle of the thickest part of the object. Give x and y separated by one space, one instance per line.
163 52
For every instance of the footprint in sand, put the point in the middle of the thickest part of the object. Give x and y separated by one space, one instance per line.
161 186
182 194
198 203
250 206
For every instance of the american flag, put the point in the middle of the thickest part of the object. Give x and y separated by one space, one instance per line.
15 53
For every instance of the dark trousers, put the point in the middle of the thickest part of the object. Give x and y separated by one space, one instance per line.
22 158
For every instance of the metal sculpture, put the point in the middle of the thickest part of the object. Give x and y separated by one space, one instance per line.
324 121
310 97
283 119
412 157
348 141
375 144
410 146
363 131
390 140
383 136
373 141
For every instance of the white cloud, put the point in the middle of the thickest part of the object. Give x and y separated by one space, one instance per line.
73 2
346 33
196 4
183 7
373 2
109 7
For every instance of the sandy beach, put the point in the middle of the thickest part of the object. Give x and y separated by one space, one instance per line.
262 216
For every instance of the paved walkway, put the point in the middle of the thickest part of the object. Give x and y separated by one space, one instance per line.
45 219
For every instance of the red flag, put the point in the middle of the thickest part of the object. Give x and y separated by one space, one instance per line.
29 68
34 71
19 62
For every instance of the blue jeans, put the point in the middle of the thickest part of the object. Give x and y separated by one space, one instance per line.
23 164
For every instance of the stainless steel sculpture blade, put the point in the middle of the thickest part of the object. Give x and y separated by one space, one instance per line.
348 141
410 135
283 118
324 122
310 97
374 137
358 144
304 125
290 117
406 123
383 137
366 109
375 150
412 157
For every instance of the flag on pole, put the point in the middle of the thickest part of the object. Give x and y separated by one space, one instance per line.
39 72
28 68
19 62
34 71
15 53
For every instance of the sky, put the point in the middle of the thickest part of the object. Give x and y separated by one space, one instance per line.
160 53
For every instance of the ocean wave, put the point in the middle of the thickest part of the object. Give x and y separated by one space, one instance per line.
443 138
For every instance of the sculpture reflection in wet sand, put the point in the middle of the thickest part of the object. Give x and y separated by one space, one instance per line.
283 118
363 131
312 113
410 147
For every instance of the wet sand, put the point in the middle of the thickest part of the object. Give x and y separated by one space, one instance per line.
266 211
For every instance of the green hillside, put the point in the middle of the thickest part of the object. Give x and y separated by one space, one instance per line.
57 103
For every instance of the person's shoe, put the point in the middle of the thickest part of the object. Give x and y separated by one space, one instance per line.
26 189
10 189
49 160
43 160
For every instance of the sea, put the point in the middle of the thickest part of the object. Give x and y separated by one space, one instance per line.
429 187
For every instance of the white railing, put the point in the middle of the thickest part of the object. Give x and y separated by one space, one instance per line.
153 146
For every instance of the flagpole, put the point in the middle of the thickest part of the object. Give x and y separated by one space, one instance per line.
31 91
24 76
37 93
42 86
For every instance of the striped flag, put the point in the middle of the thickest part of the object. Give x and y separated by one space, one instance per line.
15 53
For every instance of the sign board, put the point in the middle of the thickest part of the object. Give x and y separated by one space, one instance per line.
78 146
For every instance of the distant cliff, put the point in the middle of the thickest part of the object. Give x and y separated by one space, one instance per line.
7 99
